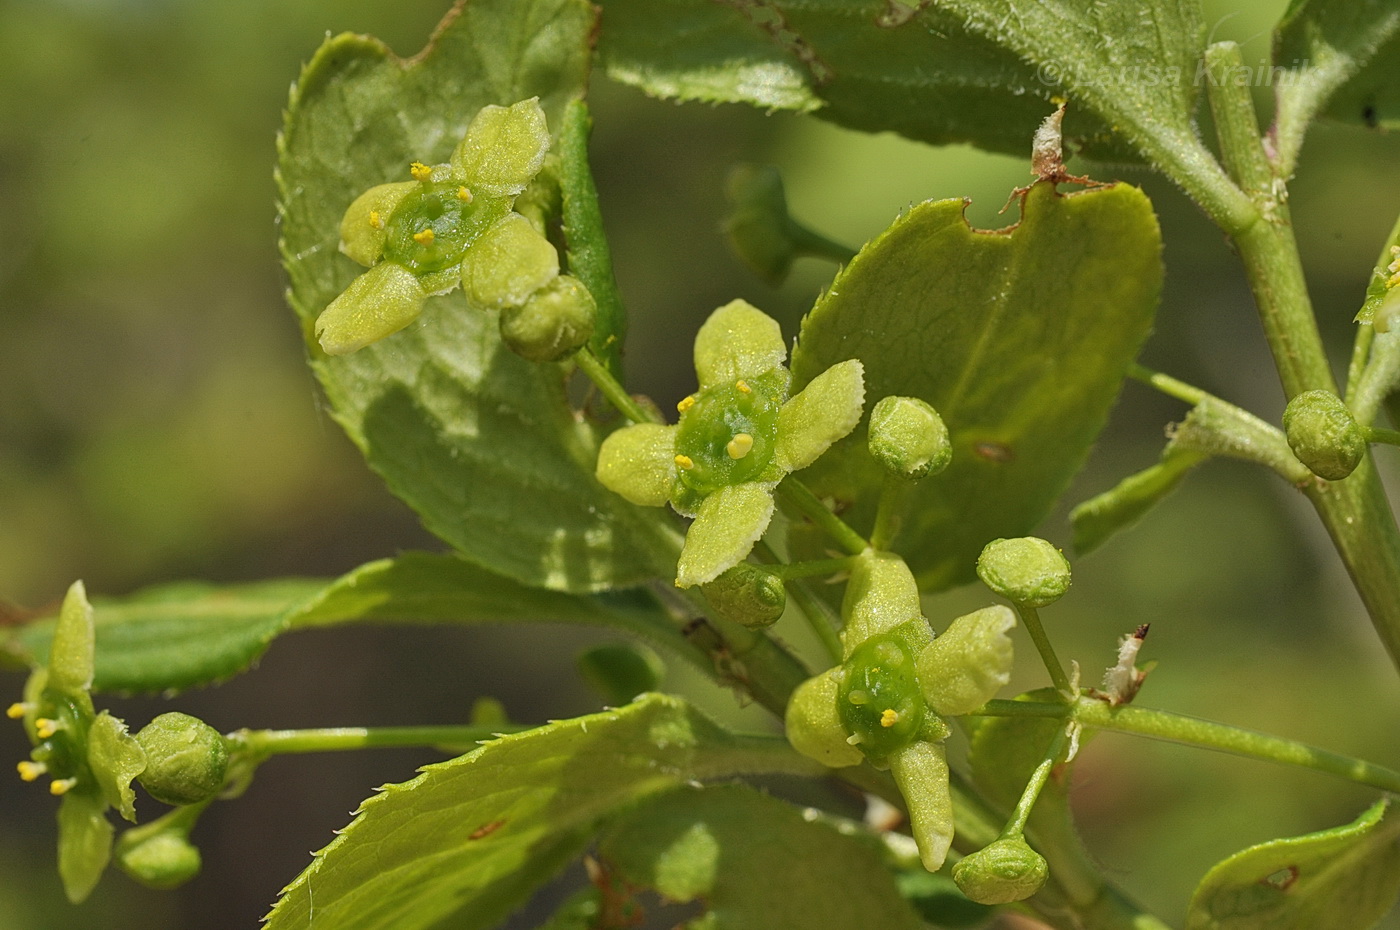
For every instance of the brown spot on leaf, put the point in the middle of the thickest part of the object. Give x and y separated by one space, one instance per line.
1281 880
486 829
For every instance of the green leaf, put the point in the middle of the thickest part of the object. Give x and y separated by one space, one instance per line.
467 839
182 635
929 77
1345 878
1129 500
481 443
1341 57
1018 338
756 862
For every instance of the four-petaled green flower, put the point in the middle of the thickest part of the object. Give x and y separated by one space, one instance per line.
738 436
90 756
452 224
885 702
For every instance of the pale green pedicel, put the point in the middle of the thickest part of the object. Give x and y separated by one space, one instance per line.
738 436
453 224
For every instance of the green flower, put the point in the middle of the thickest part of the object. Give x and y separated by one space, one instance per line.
452 224
738 436
886 701
90 756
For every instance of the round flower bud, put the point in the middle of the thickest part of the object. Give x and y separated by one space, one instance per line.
1324 435
908 437
748 595
1026 570
163 860
553 324
621 671
1005 871
186 759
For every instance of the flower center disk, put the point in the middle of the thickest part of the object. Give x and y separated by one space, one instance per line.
727 433
878 700
432 227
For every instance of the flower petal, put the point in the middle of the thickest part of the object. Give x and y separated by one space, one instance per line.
821 413
730 521
966 666
814 726
921 772
365 224
84 842
639 462
378 303
504 148
71 655
508 263
115 759
737 341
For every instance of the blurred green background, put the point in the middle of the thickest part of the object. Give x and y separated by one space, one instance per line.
157 421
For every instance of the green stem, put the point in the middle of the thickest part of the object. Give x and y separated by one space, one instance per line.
1167 384
1202 734
1030 618
789 571
889 513
1017 824
610 387
820 618
262 743
590 259
1389 437
810 242
1236 123
800 496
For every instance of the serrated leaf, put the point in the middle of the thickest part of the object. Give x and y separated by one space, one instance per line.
1341 57
1018 338
183 635
481 443
467 839
855 62
180 635
1345 878
725 845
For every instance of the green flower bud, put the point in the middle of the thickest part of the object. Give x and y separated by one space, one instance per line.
1026 570
1007 870
186 759
814 727
553 323
759 227
1324 435
621 671
966 666
164 860
908 438
748 595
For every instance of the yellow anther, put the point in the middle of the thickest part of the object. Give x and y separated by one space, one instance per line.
30 771
420 171
425 237
16 710
739 446
685 403
376 219
889 717
464 195
45 727
1393 279
743 387
685 462
61 786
